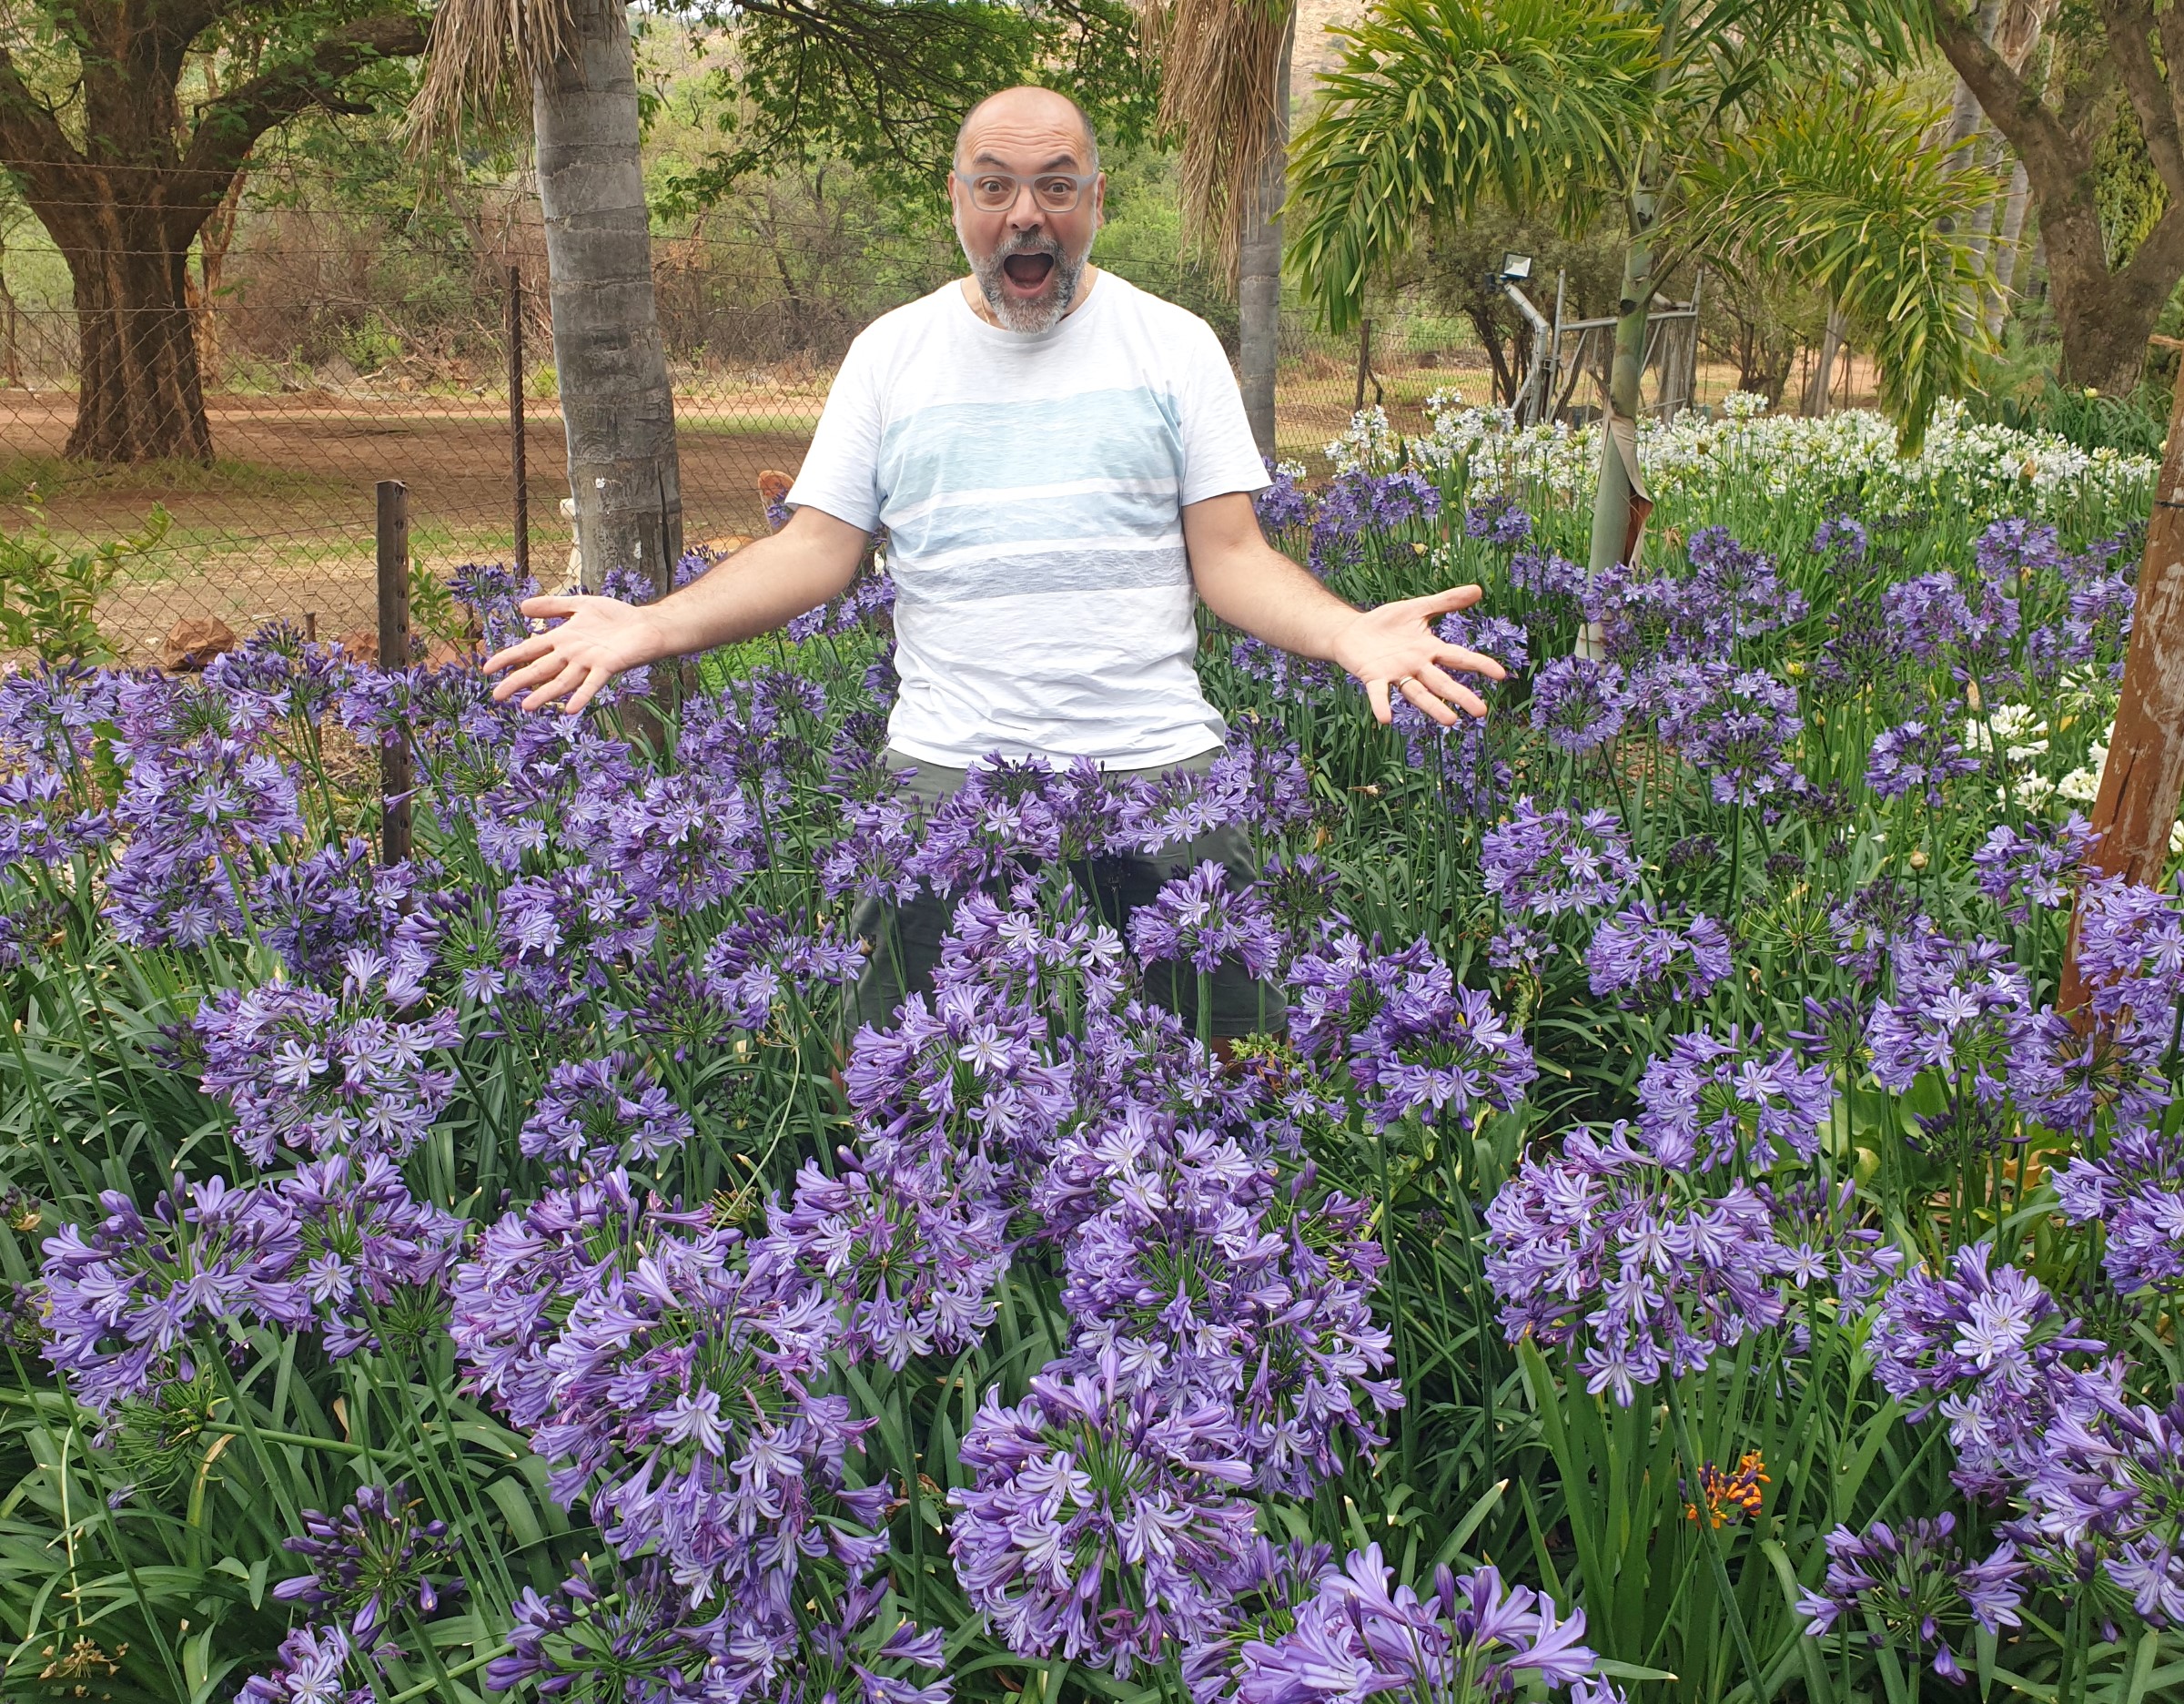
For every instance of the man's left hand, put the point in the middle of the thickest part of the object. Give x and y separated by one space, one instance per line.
1394 649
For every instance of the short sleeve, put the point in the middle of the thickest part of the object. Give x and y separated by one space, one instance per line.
839 475
1219 454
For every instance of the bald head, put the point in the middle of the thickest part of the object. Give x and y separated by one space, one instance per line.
1020 114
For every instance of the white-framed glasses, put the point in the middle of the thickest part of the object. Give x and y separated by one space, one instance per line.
1051 192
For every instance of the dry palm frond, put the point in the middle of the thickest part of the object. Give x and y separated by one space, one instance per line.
1220 67
2017 29
482 59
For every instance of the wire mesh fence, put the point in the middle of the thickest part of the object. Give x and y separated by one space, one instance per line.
326 363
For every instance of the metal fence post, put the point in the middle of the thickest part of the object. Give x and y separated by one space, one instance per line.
1364 361
515 419
394 653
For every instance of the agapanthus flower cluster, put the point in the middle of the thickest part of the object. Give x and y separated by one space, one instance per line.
2104 1486
1631 1263
1580 704
1713 1101
1414 1040
2135 1192
1913 1582
908 1249
373 1562
1989 1347
1469 1638
1733 726
600 1113
304 1069
133 1304
665 1371
1543 863
1958 1008
1197 921
372 1257
1103 1516
2034 866
1916 758
1208 1277
2130 949
1647 962
314 1663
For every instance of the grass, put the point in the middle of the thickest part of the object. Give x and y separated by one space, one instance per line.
43 478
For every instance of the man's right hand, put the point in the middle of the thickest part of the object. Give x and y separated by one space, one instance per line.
597 638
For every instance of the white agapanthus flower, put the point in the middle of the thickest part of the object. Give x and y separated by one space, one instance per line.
2019 730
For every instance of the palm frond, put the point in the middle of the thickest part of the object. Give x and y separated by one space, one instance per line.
1438 105
1220 63
1843 193
482 57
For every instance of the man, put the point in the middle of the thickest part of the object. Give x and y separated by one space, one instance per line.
1059 459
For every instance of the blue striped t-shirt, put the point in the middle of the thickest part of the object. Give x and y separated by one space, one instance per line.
1033 489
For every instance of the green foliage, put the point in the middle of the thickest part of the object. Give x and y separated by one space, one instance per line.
882 84
1440 105
49 592
1840 192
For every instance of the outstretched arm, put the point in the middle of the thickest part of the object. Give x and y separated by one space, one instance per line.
769 581
1250 585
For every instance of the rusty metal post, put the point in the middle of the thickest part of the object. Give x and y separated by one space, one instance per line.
515 421
1364 361
395 774
2139 788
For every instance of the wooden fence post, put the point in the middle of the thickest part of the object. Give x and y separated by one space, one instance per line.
515 421
394 653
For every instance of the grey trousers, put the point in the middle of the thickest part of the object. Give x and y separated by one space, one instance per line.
1116 886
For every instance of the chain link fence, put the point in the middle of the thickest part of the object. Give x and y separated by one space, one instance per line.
331 359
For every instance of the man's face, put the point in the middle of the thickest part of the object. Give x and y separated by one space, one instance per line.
1028 262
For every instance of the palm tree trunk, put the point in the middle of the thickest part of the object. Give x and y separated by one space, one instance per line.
1258 280
1824 369
1618 504
615 400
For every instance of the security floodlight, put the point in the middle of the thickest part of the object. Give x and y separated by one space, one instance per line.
1515 266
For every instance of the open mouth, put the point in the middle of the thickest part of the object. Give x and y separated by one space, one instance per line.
1029 273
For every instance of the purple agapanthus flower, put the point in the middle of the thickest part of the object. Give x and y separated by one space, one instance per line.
1917 758
371 1562
1579 704
1497 519
1989 1348
1915 1581
1413 1039
2032 867
1470 1636
1542 864
2104 1486
603 1112
1647 962
1714 1100
2135 1192
1102 1519
1959 1007
314 1662
1197 921
1630 1261
1733 726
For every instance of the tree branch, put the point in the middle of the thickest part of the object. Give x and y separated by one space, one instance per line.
32 143
227 128
2054 159
2129 24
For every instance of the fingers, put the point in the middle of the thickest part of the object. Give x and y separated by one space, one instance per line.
1470 661
523 651
1375 695
542 666
594 678
567 677
1432 691
1449 601
544 608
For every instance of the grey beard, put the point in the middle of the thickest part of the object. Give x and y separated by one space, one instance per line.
1043 313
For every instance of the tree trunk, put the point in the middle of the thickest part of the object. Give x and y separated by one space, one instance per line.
1618 505
2144 776
1823 367
138 396
1258 268
2007 249
616 404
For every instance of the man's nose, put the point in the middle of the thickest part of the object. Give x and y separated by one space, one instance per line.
1024 212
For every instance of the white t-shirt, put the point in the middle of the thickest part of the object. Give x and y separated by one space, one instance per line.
1032 489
